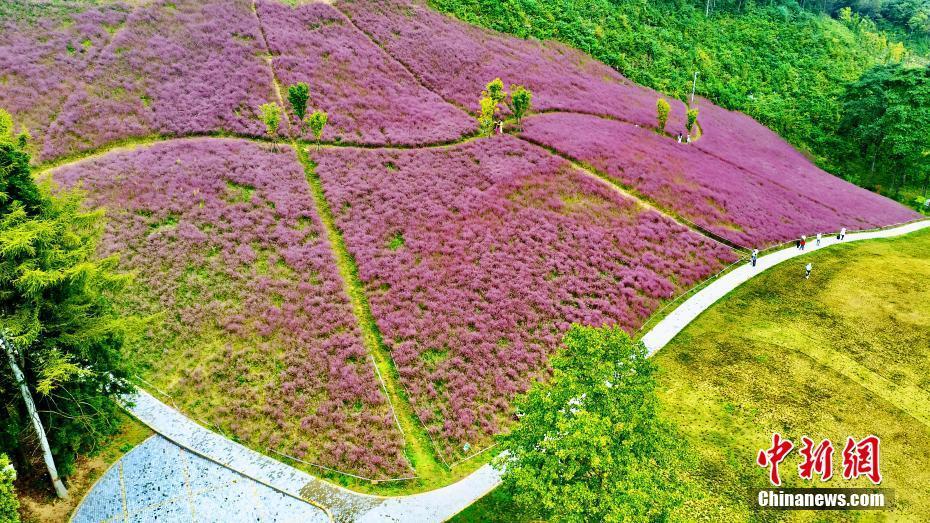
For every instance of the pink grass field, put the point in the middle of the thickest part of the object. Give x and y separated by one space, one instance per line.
476 259
174 68
253 321
43 60
456 60
765 205
369 97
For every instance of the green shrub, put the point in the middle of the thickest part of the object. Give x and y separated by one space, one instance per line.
9 505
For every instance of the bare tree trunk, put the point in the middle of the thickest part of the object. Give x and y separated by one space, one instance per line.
60 489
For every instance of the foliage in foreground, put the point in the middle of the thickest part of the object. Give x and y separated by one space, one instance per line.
589 445
55 308
9 505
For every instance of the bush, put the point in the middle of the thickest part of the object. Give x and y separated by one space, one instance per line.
9 505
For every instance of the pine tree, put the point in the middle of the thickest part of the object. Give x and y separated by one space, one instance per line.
62 337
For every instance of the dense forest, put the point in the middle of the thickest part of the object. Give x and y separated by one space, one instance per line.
804 68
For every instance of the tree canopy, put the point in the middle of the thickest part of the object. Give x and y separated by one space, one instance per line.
298 95
886 113
589 445
9 505
662 110
56 308
271 117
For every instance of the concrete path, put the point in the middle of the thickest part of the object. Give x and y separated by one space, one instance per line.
214 459
664 331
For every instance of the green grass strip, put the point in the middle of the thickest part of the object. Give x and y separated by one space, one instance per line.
418 446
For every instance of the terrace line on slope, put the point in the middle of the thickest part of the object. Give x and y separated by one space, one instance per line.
477 258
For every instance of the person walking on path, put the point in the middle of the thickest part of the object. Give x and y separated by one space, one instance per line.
803 242
818 239
842 233
797 243
754 257
807 270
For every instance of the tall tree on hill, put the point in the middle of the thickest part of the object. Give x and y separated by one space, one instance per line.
62 338
662 110
692 117
317 122
589 445
298 95
489 106
886 114
271 116
520 101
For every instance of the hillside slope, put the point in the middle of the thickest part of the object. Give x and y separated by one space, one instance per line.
785 66
305 284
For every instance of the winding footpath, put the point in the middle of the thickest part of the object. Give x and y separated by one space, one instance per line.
229 478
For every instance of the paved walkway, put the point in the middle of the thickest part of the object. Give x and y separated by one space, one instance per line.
664 331
227 481
159 481
207 454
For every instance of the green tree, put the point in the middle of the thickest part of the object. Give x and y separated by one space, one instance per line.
62 339
589 444
317 122
486 115
298 95
495 90
692 119
489 106
886 115
271 116
9 505
520 101
6 125
662 110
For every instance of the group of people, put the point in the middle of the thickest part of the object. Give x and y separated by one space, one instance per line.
800 243
685 138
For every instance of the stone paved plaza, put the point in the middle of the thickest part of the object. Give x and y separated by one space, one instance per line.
159 481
